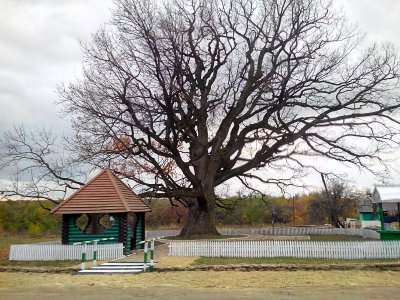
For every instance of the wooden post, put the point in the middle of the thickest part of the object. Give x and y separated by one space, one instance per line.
65 229
381 217
152 255
123 231
398 213
140 230
84 256
146 244
94 253
143 226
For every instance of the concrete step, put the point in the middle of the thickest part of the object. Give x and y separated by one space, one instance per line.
116 268
123 264
95 271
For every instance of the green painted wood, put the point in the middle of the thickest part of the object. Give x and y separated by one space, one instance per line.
113 233
129 238
79 232
368 216
380 212
139 230
65 228
123 232
75 234
389 235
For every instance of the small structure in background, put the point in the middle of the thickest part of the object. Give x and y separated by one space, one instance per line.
387 199
367 214
351 223
104 207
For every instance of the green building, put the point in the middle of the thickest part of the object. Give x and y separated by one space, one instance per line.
105 207
367 213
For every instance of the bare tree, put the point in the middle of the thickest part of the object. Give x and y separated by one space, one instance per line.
183 96
334 203
41 165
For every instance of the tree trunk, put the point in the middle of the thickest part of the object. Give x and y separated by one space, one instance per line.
334 220
201 220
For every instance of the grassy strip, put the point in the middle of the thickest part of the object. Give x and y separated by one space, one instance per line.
205 237
52 264
284 260
7 240
316 237
337 238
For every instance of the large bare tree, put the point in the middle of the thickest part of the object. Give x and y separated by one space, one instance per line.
183 96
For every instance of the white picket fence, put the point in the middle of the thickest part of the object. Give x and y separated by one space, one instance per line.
63 252
292 231
300 249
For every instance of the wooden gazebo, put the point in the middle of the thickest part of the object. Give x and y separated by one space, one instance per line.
112 209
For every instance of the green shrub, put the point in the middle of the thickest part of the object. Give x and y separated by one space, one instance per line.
28 217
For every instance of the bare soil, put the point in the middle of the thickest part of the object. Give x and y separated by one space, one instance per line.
204 285
161 258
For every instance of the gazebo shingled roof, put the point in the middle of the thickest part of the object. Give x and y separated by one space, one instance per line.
105 193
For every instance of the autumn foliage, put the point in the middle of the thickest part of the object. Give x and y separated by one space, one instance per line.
120 148
250 211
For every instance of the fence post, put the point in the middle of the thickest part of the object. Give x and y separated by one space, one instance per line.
152 255
84 256
146 244
94 253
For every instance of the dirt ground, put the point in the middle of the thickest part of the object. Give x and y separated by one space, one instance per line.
160 251
204 285
161 258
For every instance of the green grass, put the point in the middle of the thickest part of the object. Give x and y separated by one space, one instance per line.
337 238
7 240
59 264
205 237
317 237
283 261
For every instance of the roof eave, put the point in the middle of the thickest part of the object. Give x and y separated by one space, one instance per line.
99 212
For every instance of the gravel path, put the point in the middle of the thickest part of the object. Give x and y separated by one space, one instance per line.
160 251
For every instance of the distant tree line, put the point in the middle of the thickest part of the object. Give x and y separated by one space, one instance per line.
250 210
31 217
28 217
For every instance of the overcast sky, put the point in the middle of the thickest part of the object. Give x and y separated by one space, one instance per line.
39 48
